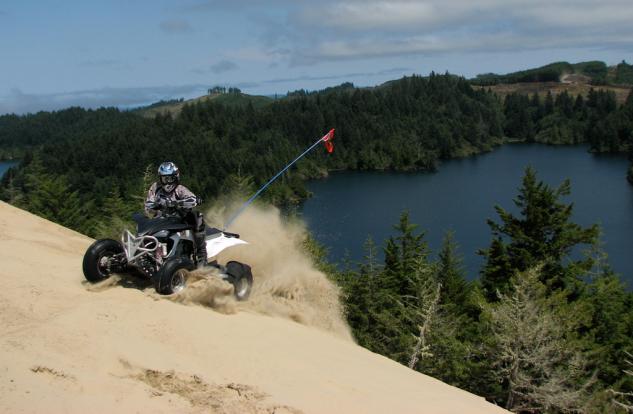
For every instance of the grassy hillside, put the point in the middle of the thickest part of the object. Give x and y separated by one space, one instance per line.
558 77
594 72
174 107
573 88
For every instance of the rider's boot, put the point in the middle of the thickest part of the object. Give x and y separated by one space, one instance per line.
201 249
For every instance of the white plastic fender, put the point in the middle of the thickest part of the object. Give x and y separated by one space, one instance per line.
217 244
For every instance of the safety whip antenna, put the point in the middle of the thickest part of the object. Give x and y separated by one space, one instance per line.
329 146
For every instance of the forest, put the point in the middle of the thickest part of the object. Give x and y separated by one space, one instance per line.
540 331
411 124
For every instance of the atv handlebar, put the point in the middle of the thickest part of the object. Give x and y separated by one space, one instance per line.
165 204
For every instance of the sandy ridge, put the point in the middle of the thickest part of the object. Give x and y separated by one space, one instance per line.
65 348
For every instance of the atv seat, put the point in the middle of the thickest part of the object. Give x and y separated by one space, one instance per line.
152 225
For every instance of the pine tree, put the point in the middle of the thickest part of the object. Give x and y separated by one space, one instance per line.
402 255
51 197
361 298
542 369
114 218
542 233
450 275
397 301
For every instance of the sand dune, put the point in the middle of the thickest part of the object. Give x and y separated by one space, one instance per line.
66 347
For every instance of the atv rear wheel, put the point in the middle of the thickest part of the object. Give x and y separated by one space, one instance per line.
241 278
172 277
98 257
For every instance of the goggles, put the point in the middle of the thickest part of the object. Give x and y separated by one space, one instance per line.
167 179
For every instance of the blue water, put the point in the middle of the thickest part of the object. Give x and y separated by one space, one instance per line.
348 207
5 165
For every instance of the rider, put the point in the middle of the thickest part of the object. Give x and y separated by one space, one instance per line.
169 190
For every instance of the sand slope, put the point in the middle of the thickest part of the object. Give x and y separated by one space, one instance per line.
65 348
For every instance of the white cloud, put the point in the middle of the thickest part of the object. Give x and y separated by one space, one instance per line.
372 14
355 29
219 67
175 26
359 15
21 102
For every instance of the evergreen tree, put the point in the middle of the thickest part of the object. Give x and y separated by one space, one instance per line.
542 233
362 298
51 197
114 218
497 271
532 356
450 275
402 255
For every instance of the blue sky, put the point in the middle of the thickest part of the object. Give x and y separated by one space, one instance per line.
54 54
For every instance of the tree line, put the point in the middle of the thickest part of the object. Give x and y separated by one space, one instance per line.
542 330
406 125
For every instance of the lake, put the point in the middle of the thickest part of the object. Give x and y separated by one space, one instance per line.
5 165
347 207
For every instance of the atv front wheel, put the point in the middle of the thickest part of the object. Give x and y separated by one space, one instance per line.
172 277
98 259
241 278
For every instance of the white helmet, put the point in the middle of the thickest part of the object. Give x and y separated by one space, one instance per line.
168 176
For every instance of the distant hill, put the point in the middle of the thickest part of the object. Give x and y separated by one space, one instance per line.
594 71
174 106
575 79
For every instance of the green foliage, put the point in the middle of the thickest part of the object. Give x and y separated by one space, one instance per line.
409 124
450 274
541 332
50 196
595 70
532 354
542 233
547 73
623 74
114 218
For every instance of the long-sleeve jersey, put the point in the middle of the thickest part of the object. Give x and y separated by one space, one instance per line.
157 193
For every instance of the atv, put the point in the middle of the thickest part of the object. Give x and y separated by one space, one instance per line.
163 250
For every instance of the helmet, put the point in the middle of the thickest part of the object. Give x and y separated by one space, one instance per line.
168 176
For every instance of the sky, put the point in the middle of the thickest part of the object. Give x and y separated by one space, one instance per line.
56 54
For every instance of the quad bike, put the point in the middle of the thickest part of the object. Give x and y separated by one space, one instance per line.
164 250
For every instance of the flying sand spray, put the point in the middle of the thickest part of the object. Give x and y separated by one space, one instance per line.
329 146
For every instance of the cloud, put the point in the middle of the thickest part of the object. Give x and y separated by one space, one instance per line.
352 15
20 102
223 66
425 15
430 45
175 26
370 29
217 68
100 63
236 5
346 76
293 81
